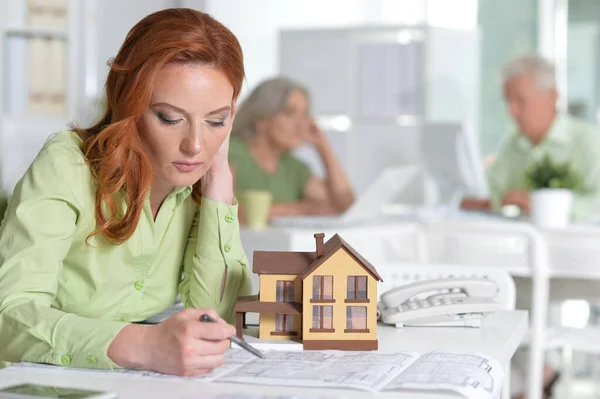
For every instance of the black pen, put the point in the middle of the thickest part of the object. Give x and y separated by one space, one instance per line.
239 341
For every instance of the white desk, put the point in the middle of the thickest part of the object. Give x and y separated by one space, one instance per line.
498 337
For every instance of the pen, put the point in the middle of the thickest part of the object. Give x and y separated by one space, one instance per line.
239 341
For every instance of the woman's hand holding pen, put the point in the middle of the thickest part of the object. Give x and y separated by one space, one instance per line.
181 345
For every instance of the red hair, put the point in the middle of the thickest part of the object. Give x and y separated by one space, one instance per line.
112 147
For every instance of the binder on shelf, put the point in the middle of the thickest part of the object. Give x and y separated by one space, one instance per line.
47 14
47 77
36 14
58 14
56 94
36 56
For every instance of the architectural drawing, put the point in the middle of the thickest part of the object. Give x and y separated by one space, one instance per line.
472 375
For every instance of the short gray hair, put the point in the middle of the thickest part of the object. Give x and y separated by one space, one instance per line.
265 101
534 65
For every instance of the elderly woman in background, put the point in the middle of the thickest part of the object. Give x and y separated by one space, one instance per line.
272 121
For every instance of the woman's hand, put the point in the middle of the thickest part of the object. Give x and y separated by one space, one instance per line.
217 183
315 136
333 194
181 345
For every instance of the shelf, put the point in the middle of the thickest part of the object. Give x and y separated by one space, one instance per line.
29 33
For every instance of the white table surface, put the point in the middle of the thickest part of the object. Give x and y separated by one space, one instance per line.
498 337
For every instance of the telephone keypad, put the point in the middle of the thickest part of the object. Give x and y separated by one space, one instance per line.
426 303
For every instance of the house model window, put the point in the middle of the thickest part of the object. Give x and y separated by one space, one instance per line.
357 289
284 323
356 319
322 289
326 298
285 291
322 319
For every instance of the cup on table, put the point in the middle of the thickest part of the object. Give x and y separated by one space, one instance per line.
256 208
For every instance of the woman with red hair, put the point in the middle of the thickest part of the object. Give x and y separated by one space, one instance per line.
111 223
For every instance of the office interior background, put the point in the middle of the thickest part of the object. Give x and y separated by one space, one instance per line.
441 58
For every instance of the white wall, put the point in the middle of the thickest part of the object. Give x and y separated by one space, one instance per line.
256 24
115 19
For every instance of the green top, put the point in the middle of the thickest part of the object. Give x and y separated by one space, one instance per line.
286 185
63 302
569 139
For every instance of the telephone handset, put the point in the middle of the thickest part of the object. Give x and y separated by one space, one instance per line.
440 302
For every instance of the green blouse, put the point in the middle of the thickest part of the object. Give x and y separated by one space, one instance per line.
63 302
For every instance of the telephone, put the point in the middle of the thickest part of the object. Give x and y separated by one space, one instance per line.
442 302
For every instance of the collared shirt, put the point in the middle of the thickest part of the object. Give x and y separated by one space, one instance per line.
569 139
63 301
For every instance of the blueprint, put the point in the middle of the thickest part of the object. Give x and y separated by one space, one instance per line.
474 376
471 375
358 370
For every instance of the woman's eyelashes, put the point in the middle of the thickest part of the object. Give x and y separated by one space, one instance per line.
170 121
219 123
166 120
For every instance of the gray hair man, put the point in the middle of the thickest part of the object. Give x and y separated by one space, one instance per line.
531 97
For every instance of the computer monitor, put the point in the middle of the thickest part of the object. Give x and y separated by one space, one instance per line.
452 163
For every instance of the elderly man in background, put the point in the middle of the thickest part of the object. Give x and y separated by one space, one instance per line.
530 92
531 97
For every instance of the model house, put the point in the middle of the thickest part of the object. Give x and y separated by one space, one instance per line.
326 298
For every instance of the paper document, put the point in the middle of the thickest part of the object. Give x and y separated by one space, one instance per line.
472 375
369 372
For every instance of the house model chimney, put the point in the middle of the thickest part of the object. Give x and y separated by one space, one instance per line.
320 246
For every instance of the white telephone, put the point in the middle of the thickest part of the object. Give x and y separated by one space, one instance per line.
442 302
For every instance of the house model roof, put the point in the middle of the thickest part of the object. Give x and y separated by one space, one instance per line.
304 263
275 262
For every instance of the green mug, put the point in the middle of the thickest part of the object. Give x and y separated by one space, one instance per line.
257 205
